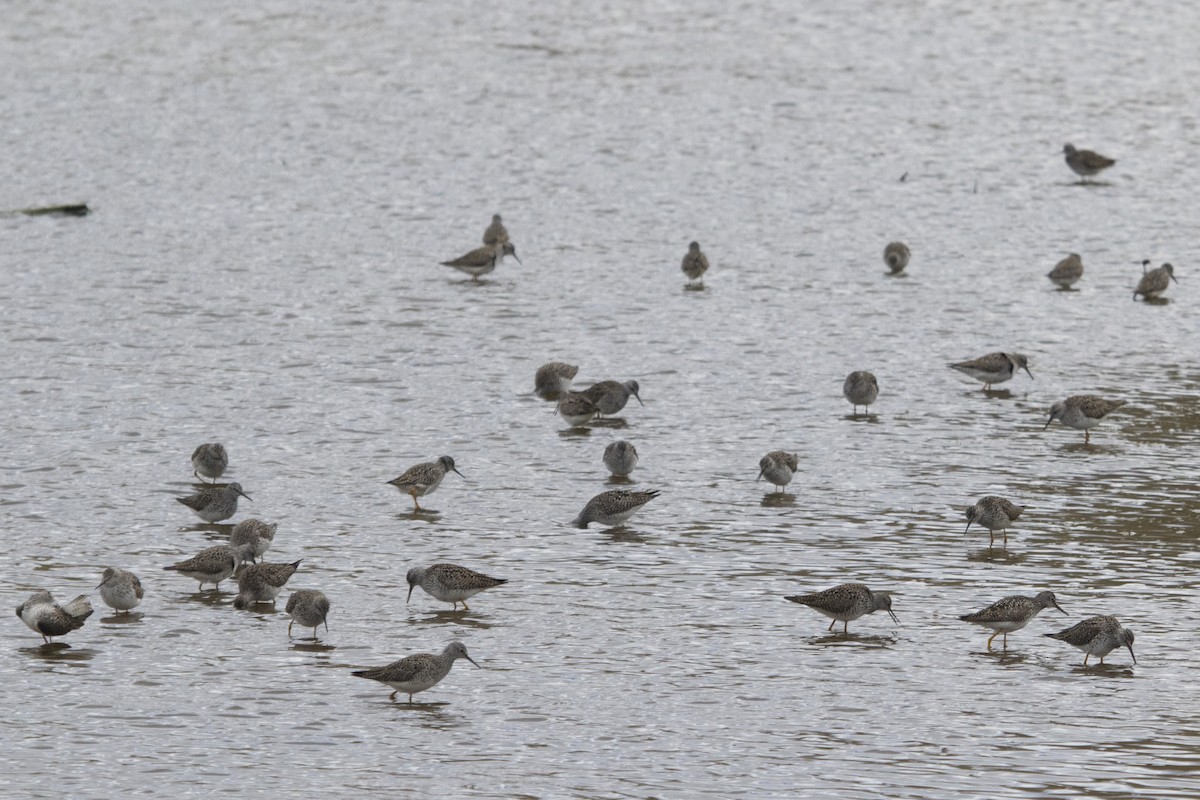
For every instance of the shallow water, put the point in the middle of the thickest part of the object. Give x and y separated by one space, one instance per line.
273 188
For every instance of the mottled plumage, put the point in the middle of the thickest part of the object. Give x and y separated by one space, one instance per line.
254 532
1154 282
482 260
48 618
310 608
1067 271
1085 163
995 514
1011 614
695 263
450 583
778 467
209 460
1081 412
575 408
424 478
993 368
896 256
611 396
215 505
261 583
846 602
496 233
860 389
212 564
613 508
553 379
620 457
1097 636
120 590
416 673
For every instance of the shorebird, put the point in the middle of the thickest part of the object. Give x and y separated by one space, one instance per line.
1011 614
120 590
496 233
424 478
994 368
620 457
611 396
1154 282
846 602
777 467
1067 271
575 408
48 618
1097 636
1081 412
254 532
1085 163
450 583
896 256
995 514
483 260
209 460
695 263
861 389
416 673
214 505
212 564
310 608
261 583
553 379
611 509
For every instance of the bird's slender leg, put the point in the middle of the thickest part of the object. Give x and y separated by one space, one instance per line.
416 505
290 629
993 636
1085 658
1005 640
830 628
846 626
991 538
1087 439
393 695
465 606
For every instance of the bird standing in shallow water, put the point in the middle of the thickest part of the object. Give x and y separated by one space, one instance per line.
1154 282
620 457
47 618
861 389
1011 614
450 583
1067 271
778 467
416 673
695 264
209 460
553 379
896 256
575 408
215 505
254 532
846 602
310 608
613 508
483 260
995 514
262 583
610 397
1085 163
496 233
120 590
212 564
1081 412
423 479
994 368
1097 636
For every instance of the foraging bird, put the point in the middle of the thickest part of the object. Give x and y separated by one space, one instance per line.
778 467
1097 636
995 514
262 583
620 457
212 564
1154 282
254 532
120 590
215 505
423 479
483 260
610 397
209 460
1085 163
1067 271
994 368
846 602
450 583
896 256
45 617
310 608
1081 412
576 409
416 673
553 379
496 233
861 389
1011 614
613 508
695 263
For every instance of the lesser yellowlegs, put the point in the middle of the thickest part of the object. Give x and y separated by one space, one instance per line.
1097 636
778 467
262 583
310 608
120 590
423 479
1011 614
209 460
846 602
1085 163
1067 271
861 389
613 508
620 457
1081 412
695 263
553 379
994 368
482 260
48 618
215 505
896 256
1154 282
995 514
450 583
416 673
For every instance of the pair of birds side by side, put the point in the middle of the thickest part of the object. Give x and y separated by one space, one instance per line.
483 260
1095 636
600 399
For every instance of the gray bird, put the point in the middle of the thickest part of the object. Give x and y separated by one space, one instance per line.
1154 282
694 264
120 590
416 673
310 608
610 397
613 508
256 533
209 460
861 389
424 478
620 457
1085 163
896 256
450 583
778 467
262 583
212 564
1097 636
1011 614
48 619
483 260
846 602
215 505
995 514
